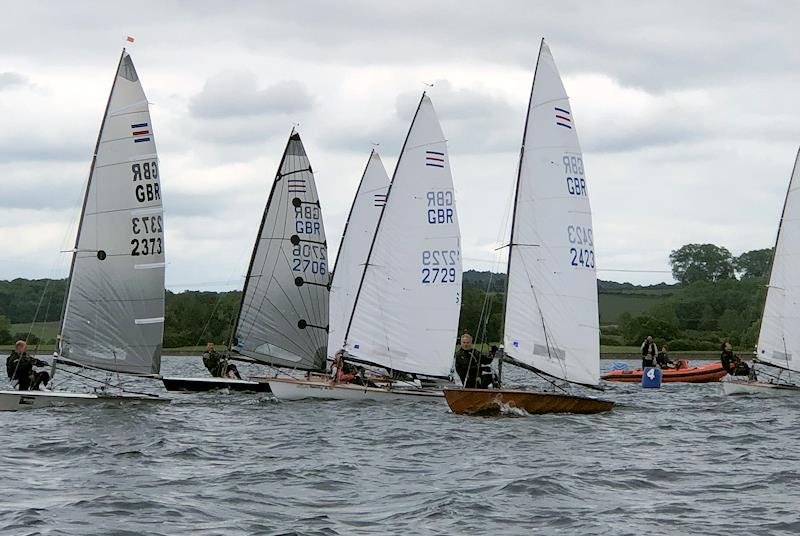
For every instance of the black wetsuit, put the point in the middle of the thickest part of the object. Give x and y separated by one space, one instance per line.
734 364
20 367
469 364
664 361
218 365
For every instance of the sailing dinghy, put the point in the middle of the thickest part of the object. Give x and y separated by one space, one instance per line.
404 314
283 314
778 347
113 316
551 317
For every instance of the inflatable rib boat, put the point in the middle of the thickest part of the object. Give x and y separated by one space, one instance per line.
708 373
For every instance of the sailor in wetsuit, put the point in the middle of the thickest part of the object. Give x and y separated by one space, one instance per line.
19 367
217 364
732 362
471 365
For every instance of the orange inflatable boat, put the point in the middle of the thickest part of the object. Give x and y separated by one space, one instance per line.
708 373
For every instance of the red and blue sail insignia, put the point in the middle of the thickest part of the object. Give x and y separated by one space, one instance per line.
434 158
140 132
563 118
380 200
296 186
515 344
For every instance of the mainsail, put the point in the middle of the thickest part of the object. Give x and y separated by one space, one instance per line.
356 238
406 311
551 318
113 316
779 338
283 316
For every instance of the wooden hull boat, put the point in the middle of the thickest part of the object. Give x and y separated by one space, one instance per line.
465 401
213 384
708 373
751 387
20 400
288 389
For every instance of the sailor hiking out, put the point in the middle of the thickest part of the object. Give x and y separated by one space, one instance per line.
19 367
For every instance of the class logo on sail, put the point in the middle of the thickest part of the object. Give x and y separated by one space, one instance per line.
140 132
296 186
563 118
434 159
380 200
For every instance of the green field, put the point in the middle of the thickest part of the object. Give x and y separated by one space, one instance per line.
613 304
44 330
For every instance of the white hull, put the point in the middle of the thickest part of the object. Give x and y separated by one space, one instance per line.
289 389
747 387
19 400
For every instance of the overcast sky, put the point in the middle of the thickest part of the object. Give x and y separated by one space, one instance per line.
687 113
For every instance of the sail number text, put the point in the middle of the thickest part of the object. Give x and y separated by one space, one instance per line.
573 171
439 265
440 207
306 220
146 191
147 231
582 250
309 258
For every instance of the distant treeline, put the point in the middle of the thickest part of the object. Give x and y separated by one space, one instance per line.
719 297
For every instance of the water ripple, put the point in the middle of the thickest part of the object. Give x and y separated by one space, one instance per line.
681 460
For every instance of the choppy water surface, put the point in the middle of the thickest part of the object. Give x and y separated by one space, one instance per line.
681 460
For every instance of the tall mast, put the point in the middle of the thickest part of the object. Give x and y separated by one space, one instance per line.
292 135
350 214
516 188
775 248
380 218
85 201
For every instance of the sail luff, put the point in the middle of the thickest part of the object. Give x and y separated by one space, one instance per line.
516 185
380 219
85 201
781 305
351 259
406 313
350 213
258 237
550 316
283 316
113 316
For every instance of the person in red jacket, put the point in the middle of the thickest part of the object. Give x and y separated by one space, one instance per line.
340 371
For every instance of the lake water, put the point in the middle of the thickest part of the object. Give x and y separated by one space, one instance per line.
684 459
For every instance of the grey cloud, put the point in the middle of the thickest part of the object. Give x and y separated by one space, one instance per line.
472 120
658 46
236 94
11 80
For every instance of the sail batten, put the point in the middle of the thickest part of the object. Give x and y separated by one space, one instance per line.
353 250
551 319
283 314
405 315
779 337
113 311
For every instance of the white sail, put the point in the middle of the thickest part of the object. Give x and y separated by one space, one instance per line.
551 320
406 313
283 317
779 338
114 312
356 239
